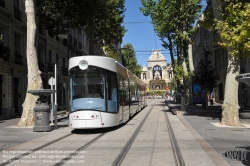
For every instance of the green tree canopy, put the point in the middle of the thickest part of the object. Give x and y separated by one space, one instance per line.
205 74
129 59
101 19
173 21
234 27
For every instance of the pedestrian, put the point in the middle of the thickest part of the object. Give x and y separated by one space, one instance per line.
212 96
175 96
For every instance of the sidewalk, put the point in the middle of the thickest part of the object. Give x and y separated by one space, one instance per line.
11 136
232 143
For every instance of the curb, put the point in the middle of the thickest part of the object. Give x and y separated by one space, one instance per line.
171 108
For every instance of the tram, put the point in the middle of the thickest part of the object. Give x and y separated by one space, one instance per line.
102 93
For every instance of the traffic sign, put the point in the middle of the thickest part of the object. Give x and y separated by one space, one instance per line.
52 81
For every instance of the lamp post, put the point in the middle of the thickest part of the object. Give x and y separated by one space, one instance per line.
62 35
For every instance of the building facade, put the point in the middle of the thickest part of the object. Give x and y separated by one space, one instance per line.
157 75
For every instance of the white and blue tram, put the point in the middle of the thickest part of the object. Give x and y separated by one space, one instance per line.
102 93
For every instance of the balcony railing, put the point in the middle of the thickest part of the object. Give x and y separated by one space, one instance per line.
2 3
18 59
17 14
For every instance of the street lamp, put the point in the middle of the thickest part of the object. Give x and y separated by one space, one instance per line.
63 35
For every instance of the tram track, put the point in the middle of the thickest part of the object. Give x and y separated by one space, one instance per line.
69 157
123 153
33 150
178 159
177 156
175 148
64 160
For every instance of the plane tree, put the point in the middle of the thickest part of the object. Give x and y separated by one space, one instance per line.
173 22
232 23
101 19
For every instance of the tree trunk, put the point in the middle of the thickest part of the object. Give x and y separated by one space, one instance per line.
190 59
34 78
191 67
230 107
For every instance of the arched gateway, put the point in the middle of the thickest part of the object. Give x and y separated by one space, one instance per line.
157 75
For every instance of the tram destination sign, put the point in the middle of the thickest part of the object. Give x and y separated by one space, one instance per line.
81 75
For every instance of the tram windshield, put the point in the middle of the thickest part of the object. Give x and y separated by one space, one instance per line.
89 89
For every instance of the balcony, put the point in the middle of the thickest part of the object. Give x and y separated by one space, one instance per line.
17 14
18 59
2 3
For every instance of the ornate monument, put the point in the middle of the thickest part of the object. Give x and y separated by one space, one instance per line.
157 75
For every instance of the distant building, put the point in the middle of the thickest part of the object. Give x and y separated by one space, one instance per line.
157 75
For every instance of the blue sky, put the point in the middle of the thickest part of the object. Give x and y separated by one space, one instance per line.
140 33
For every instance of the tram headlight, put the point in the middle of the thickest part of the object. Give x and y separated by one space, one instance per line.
83 65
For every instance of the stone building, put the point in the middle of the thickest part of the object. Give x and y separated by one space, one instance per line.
157 75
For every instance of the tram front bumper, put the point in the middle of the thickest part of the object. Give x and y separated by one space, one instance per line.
85 120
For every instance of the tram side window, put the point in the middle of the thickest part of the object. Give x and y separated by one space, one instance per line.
112 92
123 86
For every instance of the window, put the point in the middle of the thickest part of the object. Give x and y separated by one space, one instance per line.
2 34
17 12
17 49
17 43
2 3
41 58
88 89
83 40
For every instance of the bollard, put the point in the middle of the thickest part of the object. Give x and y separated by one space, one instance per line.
42 122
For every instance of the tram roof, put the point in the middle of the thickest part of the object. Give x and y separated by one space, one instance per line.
106 63
94 60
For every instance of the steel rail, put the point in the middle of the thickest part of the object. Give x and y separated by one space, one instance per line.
69 157
123 153
176 150
33 150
